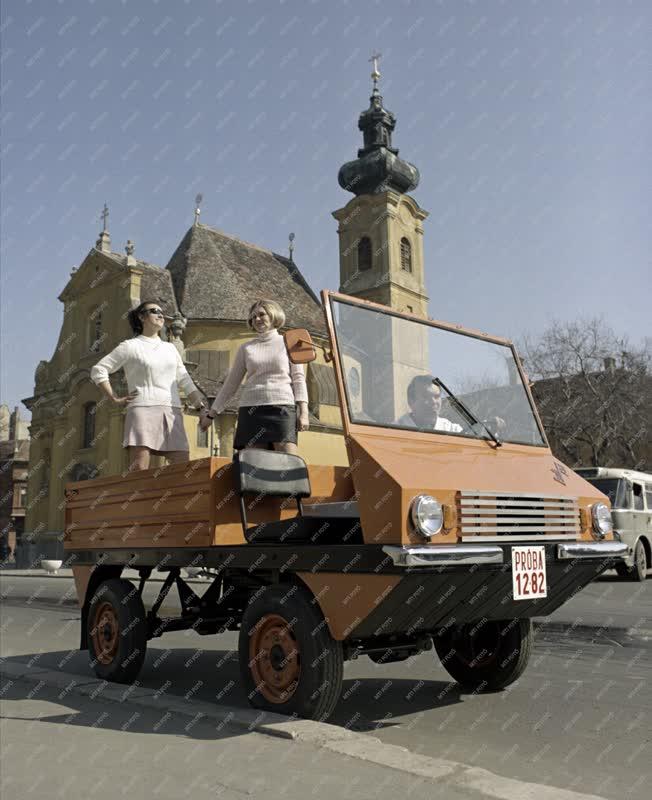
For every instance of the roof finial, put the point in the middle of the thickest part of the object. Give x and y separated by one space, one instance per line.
103 242
291 247
198 200
129 250
375 74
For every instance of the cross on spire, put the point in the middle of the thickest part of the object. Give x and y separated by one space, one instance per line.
103 242
375 74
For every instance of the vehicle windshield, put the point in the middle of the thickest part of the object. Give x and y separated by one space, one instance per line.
412 375
614 488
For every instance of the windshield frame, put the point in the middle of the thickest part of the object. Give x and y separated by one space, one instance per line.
350 426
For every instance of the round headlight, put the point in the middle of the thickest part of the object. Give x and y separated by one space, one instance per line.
427 515
601 517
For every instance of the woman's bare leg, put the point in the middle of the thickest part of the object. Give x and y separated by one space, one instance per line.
138 458
175 456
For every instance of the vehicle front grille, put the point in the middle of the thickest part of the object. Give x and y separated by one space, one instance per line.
496 516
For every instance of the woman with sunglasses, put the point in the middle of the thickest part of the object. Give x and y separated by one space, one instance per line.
154 372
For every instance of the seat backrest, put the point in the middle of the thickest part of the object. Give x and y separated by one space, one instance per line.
270 472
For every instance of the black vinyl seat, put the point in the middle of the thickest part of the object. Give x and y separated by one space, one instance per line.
270 473
264 473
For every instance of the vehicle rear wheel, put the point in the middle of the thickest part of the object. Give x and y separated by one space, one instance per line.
485 656
117 631
639 570
289 662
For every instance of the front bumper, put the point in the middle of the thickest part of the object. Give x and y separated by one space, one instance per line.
574 550
484 554
455 585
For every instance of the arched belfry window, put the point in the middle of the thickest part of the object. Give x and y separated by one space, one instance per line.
406 255
364 254
89 424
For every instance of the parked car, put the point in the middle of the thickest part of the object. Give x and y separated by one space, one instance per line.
630 493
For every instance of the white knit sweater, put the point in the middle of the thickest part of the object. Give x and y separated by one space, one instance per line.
153 368
271 379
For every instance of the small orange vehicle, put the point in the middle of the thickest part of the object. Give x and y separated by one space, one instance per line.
452 526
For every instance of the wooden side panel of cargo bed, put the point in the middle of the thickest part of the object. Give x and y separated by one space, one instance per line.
193 504
162 507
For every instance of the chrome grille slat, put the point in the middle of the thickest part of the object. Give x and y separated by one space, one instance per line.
519 496
543 504
535 512
517 515
516 528
526 537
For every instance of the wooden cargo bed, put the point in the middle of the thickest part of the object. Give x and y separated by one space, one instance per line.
193 504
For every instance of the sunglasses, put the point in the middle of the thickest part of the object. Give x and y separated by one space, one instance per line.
154 312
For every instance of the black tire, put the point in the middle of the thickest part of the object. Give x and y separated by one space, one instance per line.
485 656
117 631
639 570
623 570
289 662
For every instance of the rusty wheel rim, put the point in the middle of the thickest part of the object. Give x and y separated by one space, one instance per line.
105 633
274 659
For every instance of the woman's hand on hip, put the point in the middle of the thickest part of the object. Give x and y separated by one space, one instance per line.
122 401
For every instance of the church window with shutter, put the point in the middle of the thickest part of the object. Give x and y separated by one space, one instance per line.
364 254
406 255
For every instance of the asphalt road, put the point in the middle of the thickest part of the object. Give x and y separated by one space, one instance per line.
579 718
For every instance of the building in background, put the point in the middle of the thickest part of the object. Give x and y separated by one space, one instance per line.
14 464
206 290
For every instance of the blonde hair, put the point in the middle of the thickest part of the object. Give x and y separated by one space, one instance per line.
272 309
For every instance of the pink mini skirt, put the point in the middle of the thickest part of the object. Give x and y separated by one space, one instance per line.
159 428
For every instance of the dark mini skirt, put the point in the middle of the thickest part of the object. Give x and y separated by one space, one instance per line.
265 424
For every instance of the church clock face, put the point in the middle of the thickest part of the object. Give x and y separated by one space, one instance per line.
353 381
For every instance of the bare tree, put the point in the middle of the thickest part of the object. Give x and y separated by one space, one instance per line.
593 389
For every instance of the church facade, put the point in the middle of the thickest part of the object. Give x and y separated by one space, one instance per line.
206 290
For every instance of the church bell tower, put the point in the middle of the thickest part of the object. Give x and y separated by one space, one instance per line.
381 228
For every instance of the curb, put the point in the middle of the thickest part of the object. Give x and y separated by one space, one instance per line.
321 734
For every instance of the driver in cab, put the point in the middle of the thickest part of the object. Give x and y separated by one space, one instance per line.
424 400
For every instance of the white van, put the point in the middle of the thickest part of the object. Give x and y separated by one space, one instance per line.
630 493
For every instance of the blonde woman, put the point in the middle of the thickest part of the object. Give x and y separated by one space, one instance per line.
274 400
154 371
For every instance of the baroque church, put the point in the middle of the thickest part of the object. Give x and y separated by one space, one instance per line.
206 290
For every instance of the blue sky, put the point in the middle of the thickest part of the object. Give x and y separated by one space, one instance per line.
530 123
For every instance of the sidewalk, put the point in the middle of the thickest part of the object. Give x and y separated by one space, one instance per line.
154 744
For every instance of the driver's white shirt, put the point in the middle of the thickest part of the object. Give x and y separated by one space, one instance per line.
441 424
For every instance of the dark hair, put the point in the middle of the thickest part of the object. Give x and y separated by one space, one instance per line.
418 381
134 316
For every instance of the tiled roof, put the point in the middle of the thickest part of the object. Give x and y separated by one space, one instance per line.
216 276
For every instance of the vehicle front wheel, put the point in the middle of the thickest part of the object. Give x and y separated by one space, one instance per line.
485 656
289 662
117 631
